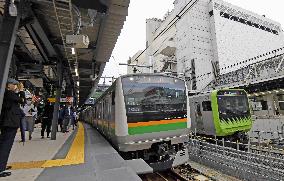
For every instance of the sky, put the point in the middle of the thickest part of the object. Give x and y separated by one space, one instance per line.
133 34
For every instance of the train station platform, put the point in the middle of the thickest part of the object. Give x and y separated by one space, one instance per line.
82 154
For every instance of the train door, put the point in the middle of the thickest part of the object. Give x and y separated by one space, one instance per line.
104 116
100 115
208 120
108 114
199 118
112 116
95 116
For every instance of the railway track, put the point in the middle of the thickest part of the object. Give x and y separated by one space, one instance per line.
180 173
160 176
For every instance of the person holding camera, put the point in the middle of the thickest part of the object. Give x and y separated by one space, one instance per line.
10 118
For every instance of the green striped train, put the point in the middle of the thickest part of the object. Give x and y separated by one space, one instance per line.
221 113
145 117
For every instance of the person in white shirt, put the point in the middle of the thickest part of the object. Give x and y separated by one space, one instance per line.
30 115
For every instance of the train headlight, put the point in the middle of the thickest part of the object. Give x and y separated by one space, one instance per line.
134 109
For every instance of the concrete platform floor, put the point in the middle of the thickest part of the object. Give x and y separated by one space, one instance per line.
79 155
33 150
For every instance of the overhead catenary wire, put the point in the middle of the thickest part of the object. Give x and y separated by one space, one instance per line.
79 23
177 17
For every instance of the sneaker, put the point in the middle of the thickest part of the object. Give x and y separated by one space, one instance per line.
30 137
5 174
42 137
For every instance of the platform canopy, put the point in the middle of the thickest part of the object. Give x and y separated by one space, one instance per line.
41 40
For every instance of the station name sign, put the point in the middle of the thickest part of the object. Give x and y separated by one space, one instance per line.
62 99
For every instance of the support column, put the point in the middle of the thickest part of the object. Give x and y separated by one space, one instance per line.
57 101
8 30
270 104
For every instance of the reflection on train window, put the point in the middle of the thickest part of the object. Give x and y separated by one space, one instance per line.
154 94
233 106
206 105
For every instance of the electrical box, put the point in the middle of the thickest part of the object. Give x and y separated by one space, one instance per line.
78 41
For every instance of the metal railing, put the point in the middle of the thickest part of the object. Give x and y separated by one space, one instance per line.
238 160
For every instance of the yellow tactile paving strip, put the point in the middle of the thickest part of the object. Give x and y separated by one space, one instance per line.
75 155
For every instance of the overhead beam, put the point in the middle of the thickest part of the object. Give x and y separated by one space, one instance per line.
99 5
36 42
43 38
19 43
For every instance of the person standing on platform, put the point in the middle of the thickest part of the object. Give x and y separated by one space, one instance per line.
30 115
60 119
10 121
47 119
73 118
67 117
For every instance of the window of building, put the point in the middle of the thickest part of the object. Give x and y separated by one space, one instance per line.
249 23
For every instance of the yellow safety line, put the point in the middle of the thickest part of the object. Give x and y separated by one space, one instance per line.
75 155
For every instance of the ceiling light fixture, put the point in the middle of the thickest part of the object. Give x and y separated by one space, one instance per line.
13 9
73 51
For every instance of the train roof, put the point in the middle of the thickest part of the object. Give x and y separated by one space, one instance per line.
207 92
151 74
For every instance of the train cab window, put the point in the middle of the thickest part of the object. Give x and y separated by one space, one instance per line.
206 105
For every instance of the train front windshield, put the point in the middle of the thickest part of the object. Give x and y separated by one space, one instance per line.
154 97
233 105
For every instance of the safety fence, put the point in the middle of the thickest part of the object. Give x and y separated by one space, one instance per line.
239 160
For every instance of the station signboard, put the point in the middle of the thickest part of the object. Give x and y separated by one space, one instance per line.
62 99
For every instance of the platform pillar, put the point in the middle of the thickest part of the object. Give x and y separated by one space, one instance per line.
57 101
8 30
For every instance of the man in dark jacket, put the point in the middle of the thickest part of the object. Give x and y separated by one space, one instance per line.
10 121
67 115
47 119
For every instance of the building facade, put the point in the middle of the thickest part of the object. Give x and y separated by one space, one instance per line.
213 43
160 47
202 39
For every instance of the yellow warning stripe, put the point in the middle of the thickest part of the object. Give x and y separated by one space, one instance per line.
152 123
75 155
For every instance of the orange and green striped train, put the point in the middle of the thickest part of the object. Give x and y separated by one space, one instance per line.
156 126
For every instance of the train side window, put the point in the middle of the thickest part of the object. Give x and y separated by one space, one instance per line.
264 105
206 105
113 98
198 110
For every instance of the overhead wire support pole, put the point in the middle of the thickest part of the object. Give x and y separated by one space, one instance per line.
8 30
135 65
57 100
